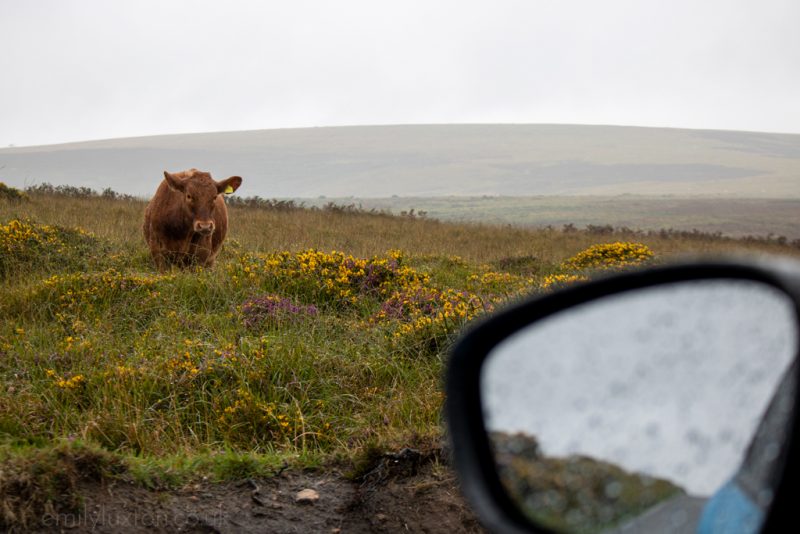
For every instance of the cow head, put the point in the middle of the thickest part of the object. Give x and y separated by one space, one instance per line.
199 193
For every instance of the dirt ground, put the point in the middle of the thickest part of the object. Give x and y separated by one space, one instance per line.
396 496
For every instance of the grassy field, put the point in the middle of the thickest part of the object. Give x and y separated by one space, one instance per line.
734 217
320 336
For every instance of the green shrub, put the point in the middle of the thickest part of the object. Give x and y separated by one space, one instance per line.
12 194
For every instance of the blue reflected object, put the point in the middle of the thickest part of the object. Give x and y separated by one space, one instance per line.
730 511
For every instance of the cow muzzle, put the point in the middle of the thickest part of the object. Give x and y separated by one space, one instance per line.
204 227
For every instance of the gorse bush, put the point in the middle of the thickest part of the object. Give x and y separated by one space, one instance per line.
424 320
556 281
609 255
418 317
603 256
326 279
26 246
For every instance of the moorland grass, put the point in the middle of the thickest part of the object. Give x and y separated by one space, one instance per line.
319 335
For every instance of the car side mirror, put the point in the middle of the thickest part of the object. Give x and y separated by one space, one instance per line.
655 400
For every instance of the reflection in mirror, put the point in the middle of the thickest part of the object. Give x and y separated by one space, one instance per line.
630 411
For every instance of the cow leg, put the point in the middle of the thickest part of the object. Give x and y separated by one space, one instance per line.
203 252
209 262
159 255
167 253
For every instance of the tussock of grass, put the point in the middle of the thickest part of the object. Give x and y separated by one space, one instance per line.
36 482
319 335
178 470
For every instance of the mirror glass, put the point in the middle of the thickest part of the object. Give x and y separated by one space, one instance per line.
643 405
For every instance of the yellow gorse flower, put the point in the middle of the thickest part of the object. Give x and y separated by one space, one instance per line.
71 383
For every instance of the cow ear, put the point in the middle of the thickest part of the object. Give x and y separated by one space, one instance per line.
230 185
174 182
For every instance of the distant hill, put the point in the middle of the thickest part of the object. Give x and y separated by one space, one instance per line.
432 161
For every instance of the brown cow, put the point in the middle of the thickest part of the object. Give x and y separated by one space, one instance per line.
186 221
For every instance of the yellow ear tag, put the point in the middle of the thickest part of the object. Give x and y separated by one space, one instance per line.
228 190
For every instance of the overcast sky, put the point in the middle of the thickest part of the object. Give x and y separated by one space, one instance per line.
75 70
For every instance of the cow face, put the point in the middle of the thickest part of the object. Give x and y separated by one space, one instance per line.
199 192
